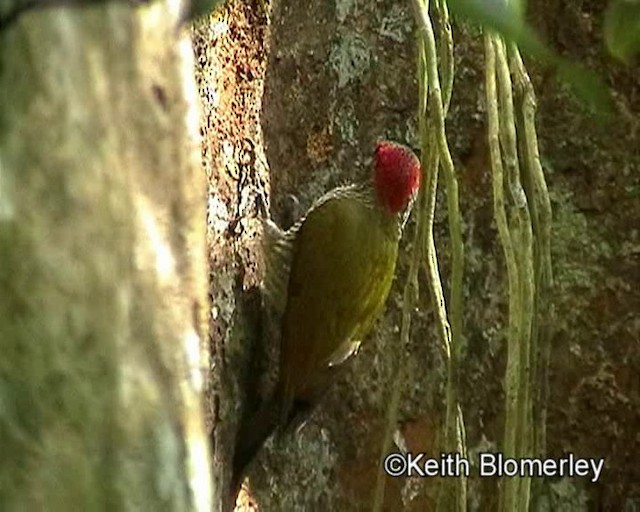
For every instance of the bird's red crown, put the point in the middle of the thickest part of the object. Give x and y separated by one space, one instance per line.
397 175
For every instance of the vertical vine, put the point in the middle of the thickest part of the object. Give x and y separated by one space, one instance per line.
540 207
433 106
453 495
523 215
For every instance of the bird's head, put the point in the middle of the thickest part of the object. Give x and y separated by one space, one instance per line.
396 175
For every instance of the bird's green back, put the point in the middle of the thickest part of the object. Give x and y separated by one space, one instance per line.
342 267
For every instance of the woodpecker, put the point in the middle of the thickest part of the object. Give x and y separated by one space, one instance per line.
327 279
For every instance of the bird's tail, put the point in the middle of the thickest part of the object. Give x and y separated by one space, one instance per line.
254 430
277 413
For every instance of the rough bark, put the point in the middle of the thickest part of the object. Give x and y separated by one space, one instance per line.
230 48
102 277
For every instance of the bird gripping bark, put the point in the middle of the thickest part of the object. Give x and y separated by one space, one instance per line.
328 278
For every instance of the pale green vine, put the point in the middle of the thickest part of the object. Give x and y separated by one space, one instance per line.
523 215
433 105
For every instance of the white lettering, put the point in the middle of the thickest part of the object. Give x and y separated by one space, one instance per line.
488 466
596 465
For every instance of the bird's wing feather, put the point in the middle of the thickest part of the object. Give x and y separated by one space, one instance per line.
341 271
277 252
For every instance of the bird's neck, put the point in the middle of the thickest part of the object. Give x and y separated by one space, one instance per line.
366 193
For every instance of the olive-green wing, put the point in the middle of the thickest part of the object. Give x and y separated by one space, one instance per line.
341 271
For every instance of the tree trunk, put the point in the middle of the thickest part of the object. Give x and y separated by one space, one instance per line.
102 270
